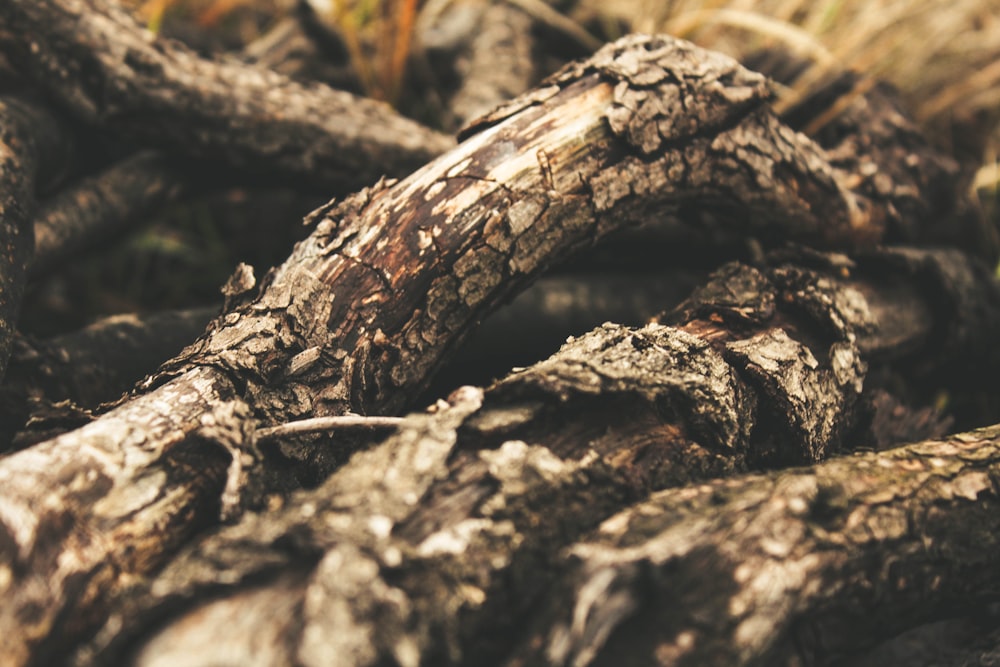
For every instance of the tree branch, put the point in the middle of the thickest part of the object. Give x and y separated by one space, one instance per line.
92 366
795 565
366 307
33 147
103 205
93 57
450 532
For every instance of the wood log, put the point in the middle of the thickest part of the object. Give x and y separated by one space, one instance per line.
591 151
364 309
434 547
102 66
33 149
788 568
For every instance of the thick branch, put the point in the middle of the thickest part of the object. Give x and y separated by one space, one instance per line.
450 531
803 563
103 205
105 503
94 58
364 310
647 125
94 365
31 149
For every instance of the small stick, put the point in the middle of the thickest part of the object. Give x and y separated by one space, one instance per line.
321 424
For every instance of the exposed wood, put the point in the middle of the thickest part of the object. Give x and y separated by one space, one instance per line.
327 425
364 310
435 546
600 145
93 57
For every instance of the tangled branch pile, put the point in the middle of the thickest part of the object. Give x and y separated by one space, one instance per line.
726 476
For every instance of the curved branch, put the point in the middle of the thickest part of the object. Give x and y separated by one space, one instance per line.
647 125
450 532
367 306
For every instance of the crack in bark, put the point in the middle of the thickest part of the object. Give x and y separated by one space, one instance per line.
628 163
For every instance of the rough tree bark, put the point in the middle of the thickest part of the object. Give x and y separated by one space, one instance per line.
100 206
788 568
87 368
96 60
458 532
34 147
476 500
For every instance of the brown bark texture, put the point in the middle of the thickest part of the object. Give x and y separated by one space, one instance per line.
32 147
103 67
102 206
57 382
463 523
565 514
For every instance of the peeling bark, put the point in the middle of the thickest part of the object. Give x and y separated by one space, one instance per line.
363 311
86 368
103 67
783 568
597 147
92 509
433 547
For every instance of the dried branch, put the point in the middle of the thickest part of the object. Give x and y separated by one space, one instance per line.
327 425
33 147
92 366
103 205
93 57
792 566
363 311
443 538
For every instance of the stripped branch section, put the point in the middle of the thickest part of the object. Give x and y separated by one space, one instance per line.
392 277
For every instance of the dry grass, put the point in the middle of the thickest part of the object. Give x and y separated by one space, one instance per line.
378 36
207 13
376 33
944 55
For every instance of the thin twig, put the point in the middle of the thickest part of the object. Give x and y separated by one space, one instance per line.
322 424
